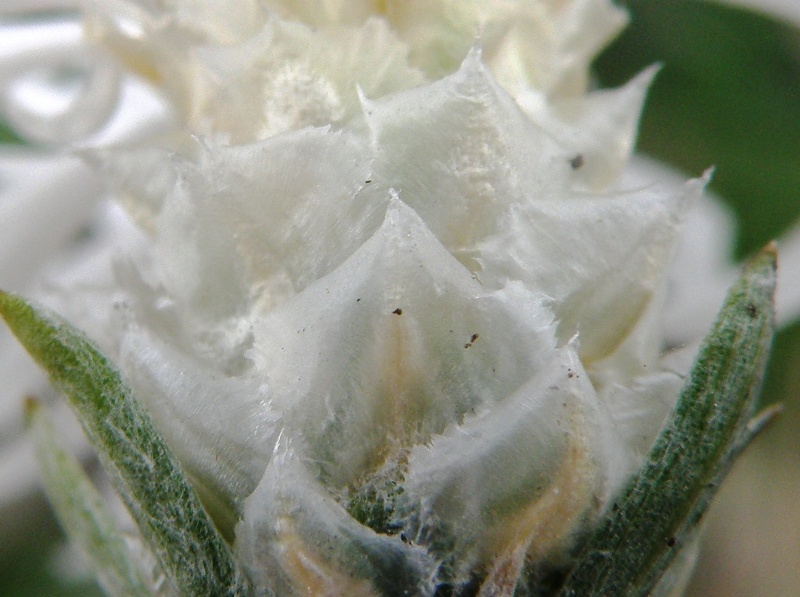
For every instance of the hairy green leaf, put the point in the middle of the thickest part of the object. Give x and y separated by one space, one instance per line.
144 470
710 425
81 511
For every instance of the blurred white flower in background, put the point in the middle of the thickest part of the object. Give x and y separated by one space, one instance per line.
788 10
459 220
53 213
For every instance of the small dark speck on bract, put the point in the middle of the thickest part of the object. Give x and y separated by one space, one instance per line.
577 162
398 311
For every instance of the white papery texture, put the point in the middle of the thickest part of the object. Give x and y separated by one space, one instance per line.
255 69
431 334
387 303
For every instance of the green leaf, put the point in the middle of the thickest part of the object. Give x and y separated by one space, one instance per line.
710 425
81 511
144 470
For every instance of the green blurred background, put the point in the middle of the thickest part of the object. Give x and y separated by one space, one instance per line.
729 96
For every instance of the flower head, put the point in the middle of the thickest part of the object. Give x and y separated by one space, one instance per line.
388 303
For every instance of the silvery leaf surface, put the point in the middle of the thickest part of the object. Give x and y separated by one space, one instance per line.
82 511
142 467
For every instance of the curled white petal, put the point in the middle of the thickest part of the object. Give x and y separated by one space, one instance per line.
55 88
478 485
294 538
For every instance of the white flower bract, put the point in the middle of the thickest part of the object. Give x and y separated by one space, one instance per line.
388 303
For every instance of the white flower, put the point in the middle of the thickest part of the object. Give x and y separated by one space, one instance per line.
32 230
440 304
389 302
50 219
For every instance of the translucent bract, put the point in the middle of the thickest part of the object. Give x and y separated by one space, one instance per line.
387 301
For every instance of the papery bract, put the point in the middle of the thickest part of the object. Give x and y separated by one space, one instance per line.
388 307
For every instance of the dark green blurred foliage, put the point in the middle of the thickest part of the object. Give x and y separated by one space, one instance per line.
728 96
28 567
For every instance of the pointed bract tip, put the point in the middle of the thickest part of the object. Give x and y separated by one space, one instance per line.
763 419
765 261
6 298
771 249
